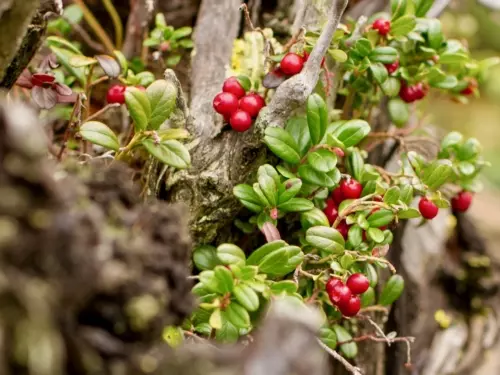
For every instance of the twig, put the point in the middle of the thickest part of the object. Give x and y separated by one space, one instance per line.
102 110
352 369
117 23
76 109
95 26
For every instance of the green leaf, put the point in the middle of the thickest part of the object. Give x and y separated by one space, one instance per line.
291 189
392 290
268 186
61 42
375 235
299 130
391 87
312 218
355 235
244 82
100 134
173 60
448 82
371 274
352 132
244 273
181 32
228 333
326 238
258 191
145 78
237 315
231 254
224 279
282 144
380 218
399 112
406 194
317 117
402 26
63 57
409 213
162 97
434 34
356 164
452 140
205 257
139 107
170 152
333 141
173 336
392 195
208 280
296 205
466 168
81 61
328 337
422 7
441 203
453 58
248 197
349 350
362 222
437 173
216 319
363 47
282 261
385 55
469 150
379 72
346 261
246 296
368 297
310 175
269 170
285 286
322 160
261 252
388 237
338 55
398 8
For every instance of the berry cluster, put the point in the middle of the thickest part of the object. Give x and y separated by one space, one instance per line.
238 107
460 203
382 26
116 93
412 93
346 296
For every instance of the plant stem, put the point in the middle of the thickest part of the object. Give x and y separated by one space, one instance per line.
117 23
95 26
133 142
348 105
68 128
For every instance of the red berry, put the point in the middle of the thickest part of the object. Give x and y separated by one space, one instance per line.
350 307
39 79
252 104
225 103
428 209
331 210
337 195
412 93
469 90
340 294
382 26
462 201
292 64
233 86
343 228
358 283
116 94
351 189
391 68
331 284
240 121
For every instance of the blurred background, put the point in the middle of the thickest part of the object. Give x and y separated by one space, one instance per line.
477 22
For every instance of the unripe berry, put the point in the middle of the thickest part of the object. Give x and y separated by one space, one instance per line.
225 103
382 26
351 189
428 209
252 104
340 294
233 86
331 210
116 94
240 121
291 64
391 68
462 201
358 283
350 307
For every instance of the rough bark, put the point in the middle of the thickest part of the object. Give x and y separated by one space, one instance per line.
137 24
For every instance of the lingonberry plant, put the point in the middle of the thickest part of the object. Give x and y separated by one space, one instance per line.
343 209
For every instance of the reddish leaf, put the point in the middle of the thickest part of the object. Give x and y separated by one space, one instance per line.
271 232
24 79
67 98
62 89
44 98
41 79
109 65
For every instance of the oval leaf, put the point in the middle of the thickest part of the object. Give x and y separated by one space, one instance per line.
282 144
100 134
162 96
392 290
326 238
231 254
246 296
139 107
170 152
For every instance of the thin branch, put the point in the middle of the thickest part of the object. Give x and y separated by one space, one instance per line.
352 369
102 110
85 36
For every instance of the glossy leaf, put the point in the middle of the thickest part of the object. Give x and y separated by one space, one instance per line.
312 176
384 55
399 111
392 290
205 257
264 250
237 315
375 235
109 65
368 297
391 87
231 254
379 72
322 160
349 350
312 218
328 337
403 25
139 107
296 205
398 8
292 188
352 132
246 296
282 144
392 195
409 213
380 218
170 152
224 279
282 261
299 130
215 320
326 238
100 134
285 286
317 117
248 197
437 173
162 97
355 235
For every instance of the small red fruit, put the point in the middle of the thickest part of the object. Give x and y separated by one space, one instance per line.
351 307
240 121
469 90
340 294
39 79
391 68
331 210
233 86
225 103
331 284
428 209
337 195
382 26
292 64
351 189
358 283
343 228
252 104
462 201
116 94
